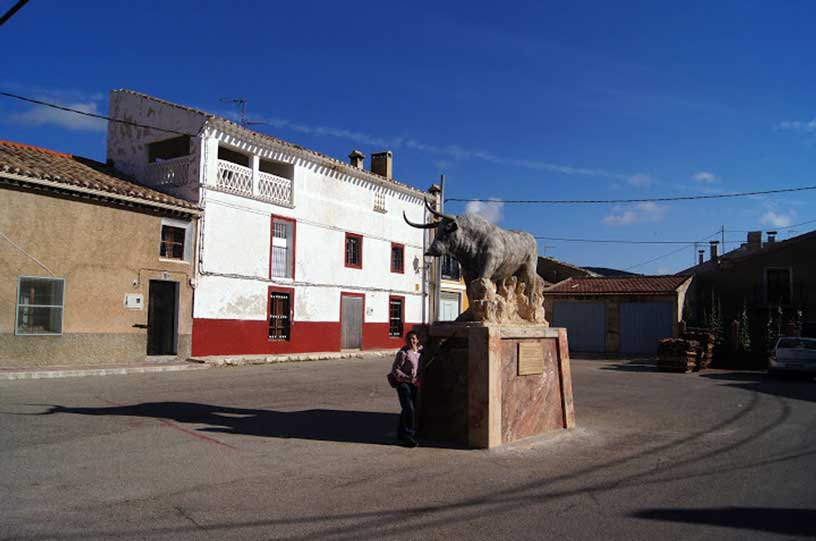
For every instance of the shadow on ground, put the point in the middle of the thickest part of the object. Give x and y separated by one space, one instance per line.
634 365
775 520
314 424
799 388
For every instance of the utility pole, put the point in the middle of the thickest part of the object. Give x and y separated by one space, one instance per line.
438 260
722 233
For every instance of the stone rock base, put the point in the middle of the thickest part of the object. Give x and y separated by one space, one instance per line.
493 384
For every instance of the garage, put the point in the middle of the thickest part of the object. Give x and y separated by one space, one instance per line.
617 315
585 324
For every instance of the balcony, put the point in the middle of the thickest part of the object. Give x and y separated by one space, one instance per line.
174 172
240 180
274 189
234 178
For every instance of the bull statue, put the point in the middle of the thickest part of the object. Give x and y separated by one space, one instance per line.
499 267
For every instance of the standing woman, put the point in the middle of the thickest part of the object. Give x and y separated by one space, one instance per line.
404 371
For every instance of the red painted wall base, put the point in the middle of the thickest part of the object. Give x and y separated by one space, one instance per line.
241 337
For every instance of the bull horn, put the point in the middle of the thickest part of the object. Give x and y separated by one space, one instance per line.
420 226
438 214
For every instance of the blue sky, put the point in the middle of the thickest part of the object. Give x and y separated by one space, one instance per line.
590 100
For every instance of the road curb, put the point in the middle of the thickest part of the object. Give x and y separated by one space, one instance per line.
193 363
102 371
237 360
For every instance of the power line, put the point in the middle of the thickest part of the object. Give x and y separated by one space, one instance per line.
612 241
672 252
14 9
642 200
94 115
772 229
507 201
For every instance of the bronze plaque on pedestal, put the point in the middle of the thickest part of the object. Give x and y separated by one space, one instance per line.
530 359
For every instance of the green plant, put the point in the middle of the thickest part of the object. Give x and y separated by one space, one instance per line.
744 329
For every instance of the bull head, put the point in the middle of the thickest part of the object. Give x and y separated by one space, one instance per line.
446 228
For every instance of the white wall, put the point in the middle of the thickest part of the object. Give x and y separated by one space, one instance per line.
236 240
127 145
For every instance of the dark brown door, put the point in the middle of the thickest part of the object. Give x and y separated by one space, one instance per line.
162 318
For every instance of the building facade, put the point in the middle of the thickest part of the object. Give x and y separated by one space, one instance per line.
298 252
93 268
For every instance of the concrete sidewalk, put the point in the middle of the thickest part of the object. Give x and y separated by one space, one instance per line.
194 363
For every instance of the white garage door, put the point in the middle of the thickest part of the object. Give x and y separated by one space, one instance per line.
585 323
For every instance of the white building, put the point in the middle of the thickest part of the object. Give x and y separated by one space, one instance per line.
298 252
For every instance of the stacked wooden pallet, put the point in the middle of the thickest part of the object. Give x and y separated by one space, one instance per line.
677 355
705 338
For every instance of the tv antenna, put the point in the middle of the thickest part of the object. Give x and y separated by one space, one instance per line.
242 104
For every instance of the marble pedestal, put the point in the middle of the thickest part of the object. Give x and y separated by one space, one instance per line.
494 383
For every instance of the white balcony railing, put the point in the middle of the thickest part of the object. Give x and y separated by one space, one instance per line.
175 172
234 178
274 189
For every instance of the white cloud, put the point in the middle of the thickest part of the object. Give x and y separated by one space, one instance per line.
489 210
797 125
451 151
777 220
40 115
640 213
705 177
442 164
663 270
640 179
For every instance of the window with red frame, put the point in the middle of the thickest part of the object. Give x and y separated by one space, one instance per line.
280 319
282 254
397 258
354 251
395 316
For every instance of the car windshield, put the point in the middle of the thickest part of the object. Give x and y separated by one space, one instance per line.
790 343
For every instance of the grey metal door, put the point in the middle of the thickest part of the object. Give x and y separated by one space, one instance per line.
351 322
642 324
585 323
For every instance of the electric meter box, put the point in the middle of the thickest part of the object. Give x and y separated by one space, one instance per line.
134 301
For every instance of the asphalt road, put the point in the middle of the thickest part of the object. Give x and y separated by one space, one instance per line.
304 450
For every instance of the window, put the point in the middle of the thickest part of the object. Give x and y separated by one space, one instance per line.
396 316
397 258
282 256
449 306
379 201
39 305
280 315
354 251
450 268
778 286
175 240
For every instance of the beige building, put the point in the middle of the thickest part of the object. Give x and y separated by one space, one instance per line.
93 268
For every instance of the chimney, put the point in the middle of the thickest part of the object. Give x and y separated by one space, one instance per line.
771 237
700 255
357 159
715 244
754 240
382 163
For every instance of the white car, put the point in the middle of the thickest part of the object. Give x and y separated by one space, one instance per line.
793 354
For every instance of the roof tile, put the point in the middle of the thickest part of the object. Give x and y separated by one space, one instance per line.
43 164
630 285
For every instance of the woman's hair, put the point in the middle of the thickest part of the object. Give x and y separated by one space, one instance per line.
409 334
